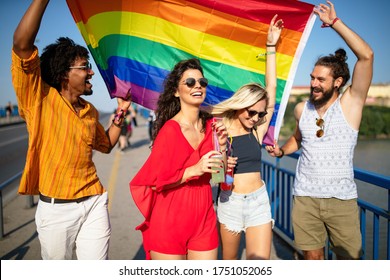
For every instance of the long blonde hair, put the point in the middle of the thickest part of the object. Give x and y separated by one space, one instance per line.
246 96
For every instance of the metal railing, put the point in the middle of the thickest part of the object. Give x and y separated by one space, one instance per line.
375 221
3 186
375 231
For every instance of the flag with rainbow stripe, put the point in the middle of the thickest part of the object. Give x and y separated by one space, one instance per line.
135 43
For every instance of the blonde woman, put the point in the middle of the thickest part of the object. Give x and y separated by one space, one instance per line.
245 206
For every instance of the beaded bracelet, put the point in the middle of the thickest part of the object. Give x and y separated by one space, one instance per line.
264 54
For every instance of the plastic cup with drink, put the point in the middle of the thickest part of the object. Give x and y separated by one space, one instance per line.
218 177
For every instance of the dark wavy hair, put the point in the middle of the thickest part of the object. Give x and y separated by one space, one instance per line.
337 63
56 59
168 105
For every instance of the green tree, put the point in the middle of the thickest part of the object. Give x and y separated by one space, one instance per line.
375 121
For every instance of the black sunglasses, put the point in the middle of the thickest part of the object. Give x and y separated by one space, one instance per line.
252 113
190 82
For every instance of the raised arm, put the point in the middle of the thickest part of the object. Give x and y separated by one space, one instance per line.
274 30
355 96
26 31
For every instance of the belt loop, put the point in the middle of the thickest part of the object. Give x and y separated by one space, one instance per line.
52 200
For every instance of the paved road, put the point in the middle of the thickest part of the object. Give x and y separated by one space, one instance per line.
115 171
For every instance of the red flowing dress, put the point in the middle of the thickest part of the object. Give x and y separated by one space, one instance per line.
181 218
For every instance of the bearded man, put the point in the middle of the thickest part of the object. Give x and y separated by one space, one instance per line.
327 126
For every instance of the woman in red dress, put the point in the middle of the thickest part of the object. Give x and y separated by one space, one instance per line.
172 189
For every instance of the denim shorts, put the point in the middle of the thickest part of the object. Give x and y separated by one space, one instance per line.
237 212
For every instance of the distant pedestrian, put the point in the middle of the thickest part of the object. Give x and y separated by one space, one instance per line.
129 122
8 110
151 120
134 111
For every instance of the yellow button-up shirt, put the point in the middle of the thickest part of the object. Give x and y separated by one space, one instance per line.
59 157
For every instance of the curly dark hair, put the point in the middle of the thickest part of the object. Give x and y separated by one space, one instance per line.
56 59
168 105
337 63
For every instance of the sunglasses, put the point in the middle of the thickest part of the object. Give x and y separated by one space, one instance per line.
320 123
84 67
190 82
252 113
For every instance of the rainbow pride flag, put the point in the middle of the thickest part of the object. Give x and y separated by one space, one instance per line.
135 43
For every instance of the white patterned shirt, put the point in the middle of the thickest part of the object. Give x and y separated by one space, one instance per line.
325 167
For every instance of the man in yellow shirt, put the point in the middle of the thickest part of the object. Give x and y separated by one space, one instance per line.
63 130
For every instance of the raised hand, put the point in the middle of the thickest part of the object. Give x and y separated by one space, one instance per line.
124 103
326 13
274 30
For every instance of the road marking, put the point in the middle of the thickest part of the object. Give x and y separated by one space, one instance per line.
12 141
112 180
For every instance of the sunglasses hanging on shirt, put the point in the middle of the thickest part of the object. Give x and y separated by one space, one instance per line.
320 123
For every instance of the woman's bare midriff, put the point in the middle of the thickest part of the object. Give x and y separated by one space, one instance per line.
247 182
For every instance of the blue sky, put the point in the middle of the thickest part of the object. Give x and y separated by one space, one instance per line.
369 19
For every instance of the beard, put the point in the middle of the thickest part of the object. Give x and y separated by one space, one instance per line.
319 102
88 93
